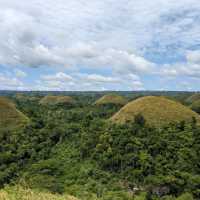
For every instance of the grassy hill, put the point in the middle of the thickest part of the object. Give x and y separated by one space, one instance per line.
57 100
18 193
10 117
157 111
193 98
196 106
111 99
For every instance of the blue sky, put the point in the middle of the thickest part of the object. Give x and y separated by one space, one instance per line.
100 45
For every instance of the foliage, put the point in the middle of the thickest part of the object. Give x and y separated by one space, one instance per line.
196 106
194 97
79 152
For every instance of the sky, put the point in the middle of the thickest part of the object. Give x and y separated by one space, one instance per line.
80 45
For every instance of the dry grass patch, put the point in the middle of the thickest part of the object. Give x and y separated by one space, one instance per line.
19 193
10 117
157 111
57 100
111 99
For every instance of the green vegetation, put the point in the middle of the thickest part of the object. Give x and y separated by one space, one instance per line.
21 97
76 153
111 99
193 98
195 106
157 111
10 117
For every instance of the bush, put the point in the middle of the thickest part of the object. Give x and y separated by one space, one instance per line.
186 196
140 120
141 196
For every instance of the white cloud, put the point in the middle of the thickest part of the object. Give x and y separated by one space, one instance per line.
91 55
9 83
101 79
120 38
26 46
60 76
168 71
82 81
48 33
20 74
193 56
190 68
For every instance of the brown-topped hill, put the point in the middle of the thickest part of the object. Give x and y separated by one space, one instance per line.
10 117
157 111
111 99
57 100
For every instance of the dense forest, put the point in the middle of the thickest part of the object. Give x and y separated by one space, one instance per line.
76 149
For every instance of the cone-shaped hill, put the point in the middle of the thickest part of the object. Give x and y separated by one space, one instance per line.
193 98
57 100
10 117
111 99
157 111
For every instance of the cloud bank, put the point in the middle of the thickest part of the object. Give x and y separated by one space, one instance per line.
97 45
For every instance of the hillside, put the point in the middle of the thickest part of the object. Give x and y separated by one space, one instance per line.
195 106
193 98
111 99
156 110
57 100
10 117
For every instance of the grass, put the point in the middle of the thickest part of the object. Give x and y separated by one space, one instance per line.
157 111
111 99
19 193
10 117
57 100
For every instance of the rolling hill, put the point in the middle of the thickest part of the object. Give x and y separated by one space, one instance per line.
111 99
57 100
157 111
10 117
